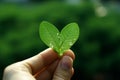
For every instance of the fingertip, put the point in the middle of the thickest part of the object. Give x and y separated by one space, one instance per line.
69 53
66 62
64 69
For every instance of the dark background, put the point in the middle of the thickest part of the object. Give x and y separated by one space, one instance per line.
97 50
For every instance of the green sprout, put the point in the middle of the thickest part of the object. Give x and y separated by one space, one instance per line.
59 41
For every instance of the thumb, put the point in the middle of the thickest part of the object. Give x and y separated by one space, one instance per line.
64 69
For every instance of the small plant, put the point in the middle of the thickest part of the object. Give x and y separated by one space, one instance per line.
59 41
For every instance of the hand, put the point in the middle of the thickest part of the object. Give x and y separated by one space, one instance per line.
45 66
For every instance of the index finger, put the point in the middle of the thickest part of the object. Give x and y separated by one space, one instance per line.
36 63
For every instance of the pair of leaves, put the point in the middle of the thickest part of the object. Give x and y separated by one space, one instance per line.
59 41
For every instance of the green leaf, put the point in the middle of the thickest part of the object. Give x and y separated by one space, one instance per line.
69 35
49 34
60 42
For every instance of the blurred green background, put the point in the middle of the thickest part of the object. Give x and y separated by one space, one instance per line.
97 50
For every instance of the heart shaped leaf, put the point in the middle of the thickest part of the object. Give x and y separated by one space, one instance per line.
60 42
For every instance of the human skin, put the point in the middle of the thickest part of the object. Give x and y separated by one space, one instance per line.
46 65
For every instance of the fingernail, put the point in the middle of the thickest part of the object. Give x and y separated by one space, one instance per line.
66 63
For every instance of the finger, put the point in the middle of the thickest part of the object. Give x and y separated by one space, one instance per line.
41 60
64 69
48 73
69 53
